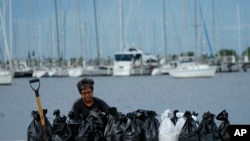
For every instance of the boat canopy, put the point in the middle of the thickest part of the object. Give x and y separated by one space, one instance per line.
127 57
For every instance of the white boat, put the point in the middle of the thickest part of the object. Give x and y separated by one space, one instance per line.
228 64
132 61
97 70
21 69
6 74
40 72
193 70
75 72
58 72
164 67
6 77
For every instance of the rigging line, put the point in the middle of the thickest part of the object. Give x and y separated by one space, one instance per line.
127 21
175 27
2 18
206 33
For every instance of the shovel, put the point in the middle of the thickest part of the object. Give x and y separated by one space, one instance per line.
39 105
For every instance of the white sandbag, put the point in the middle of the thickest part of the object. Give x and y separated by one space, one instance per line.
167 131
196 120
180 122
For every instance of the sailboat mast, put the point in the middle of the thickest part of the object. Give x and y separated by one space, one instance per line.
79 29
214 26
121 26
239 42
164 29
2 18
138 23
184 15
196 31
57 31
10 20
97 35
52 38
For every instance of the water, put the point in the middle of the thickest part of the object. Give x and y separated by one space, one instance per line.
228 91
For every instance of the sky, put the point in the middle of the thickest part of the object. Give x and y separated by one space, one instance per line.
158 27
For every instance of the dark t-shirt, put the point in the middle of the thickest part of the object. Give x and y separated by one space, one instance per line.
80 108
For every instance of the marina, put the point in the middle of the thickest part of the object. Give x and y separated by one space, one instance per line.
228 91
142 54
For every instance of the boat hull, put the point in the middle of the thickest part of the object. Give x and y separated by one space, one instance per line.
193 71
75 72
6 78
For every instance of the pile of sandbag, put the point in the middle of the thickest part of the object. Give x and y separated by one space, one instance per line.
139 125
186 127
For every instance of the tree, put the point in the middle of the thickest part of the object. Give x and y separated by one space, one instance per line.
246 52
227 52
187 54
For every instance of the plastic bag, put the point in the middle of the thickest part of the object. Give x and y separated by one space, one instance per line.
61 130
208 129
84 132
132 131
91 128
149 124
180 122
73 125
35 129
174 118
167 130
115 126
189 130
224 126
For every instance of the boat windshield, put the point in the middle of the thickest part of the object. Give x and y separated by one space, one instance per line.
127 57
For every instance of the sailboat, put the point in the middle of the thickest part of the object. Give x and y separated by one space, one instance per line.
98 68
6 71
194 69
5 77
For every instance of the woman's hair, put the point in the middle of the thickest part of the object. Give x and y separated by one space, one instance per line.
85 82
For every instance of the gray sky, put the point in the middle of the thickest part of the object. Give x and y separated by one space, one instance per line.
34 26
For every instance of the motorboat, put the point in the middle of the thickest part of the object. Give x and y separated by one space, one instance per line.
22 70
132 61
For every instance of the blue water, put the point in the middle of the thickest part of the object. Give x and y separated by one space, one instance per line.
230 91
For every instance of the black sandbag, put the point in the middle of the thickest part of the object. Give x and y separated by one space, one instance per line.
115 125
204 132
35 129
73 125
189 129
97 119
84 132
61 130
132 131
207 129
108 132
149 125
91 128
174 118
223 128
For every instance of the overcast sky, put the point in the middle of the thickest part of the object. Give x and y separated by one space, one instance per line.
34 26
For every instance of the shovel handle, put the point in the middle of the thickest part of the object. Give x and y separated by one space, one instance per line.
40 109
42 118
36 90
